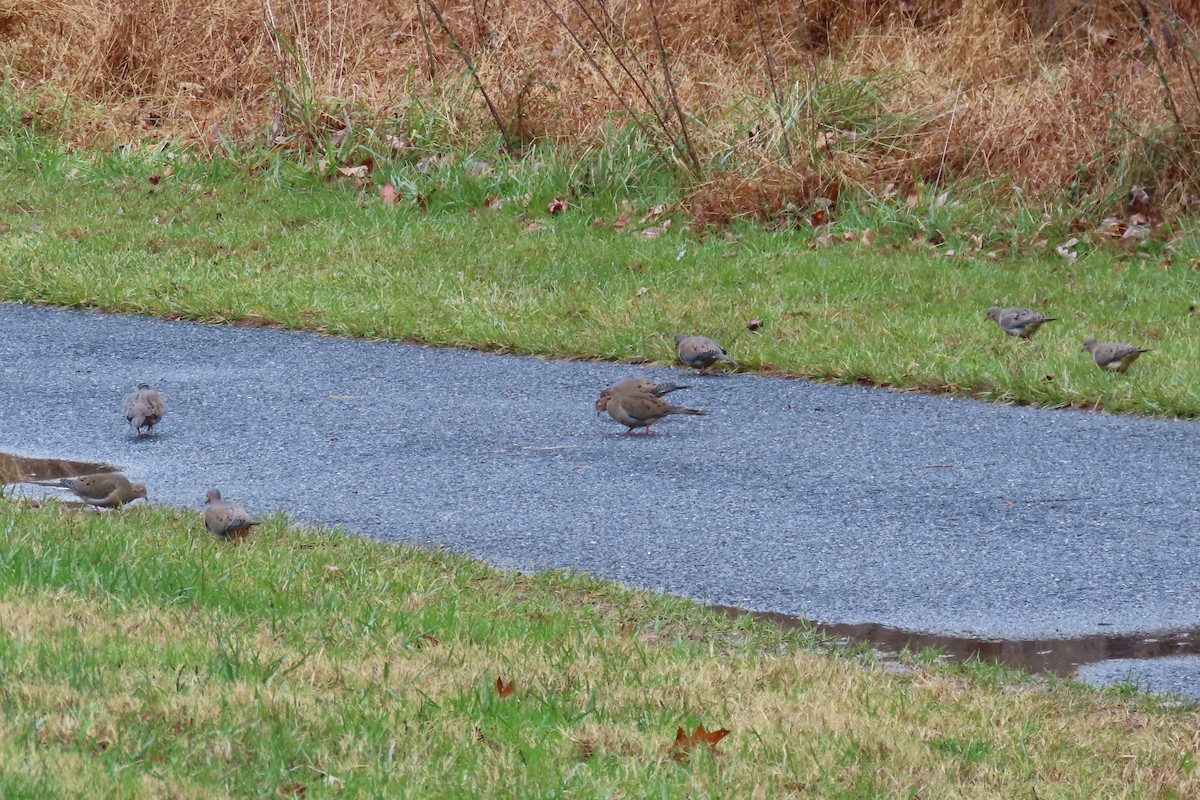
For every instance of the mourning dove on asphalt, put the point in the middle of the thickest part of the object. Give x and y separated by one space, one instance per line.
635 409
225 519
700 352
143 408
1112 356
1019 322
636 385
104 489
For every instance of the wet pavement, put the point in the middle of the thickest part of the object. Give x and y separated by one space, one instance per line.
845 505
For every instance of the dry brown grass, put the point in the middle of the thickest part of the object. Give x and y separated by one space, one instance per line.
1027 89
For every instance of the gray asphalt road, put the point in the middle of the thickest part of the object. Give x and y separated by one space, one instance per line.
844 505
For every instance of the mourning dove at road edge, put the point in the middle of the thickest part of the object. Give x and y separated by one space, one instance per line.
143 408
1019 322
635 409
104 489
225 519
635 385
1112 356
700 352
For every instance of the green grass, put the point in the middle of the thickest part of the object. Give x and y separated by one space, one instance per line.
140 657
217 242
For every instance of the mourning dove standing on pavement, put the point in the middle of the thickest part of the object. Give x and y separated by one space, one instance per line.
700 352
225 519
143 408
1019 322
635 385
1112 356
635 409
104 489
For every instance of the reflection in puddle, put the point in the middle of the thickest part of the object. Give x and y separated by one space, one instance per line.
14 468
1057 656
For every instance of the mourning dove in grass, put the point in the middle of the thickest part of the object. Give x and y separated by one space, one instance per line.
104 489
1112 356
700 352
143 408
225 519
1019 322
635 385
635 409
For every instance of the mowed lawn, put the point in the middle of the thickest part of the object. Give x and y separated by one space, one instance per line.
487 266
140 657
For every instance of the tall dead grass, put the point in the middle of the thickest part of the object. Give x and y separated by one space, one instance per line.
1028 89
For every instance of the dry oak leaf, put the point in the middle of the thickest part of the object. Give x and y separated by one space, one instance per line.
557 205
531 227
682 748
621 221
503 689
387 193
354 172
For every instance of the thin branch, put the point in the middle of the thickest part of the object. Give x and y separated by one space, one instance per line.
437 14
428 41
652 102
1163 78
666 68
775 93
599 71
612 23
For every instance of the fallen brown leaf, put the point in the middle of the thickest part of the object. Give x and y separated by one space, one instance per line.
503 689
682 748
387 193
557 205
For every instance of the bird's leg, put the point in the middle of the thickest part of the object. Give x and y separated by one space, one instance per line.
647 430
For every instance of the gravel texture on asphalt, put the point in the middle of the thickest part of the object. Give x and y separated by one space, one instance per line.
840 504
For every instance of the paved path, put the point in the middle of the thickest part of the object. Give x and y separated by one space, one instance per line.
840 504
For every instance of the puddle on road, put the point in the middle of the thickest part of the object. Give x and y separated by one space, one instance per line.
15 468
1057 656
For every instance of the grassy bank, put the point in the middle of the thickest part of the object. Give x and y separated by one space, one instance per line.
479 262
142 658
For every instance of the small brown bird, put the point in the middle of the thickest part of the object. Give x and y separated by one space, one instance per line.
103 489
1016 321
635 409
636 385
225 519
1112 356
143 408
700 352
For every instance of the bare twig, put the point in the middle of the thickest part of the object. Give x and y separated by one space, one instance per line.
775 93
666 68
437 14
1163 78
428 41
652 102
600 71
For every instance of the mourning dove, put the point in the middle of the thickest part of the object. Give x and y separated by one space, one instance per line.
1112 356
1019 322
143 408
635 409
225 519
636 385
104 489
700 352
